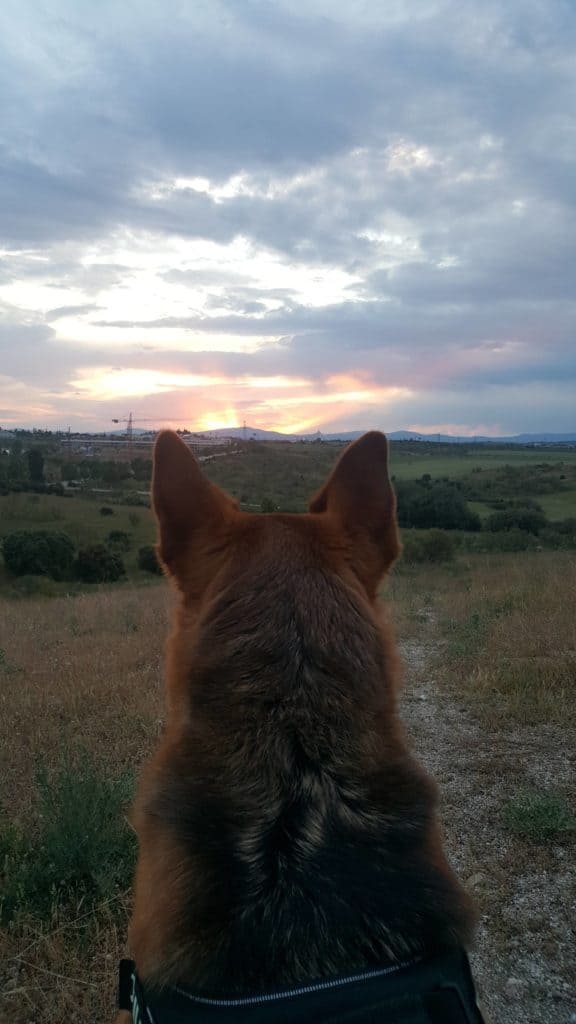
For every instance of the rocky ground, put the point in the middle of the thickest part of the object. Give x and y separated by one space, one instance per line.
525 956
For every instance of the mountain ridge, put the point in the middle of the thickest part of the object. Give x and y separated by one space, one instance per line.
255 433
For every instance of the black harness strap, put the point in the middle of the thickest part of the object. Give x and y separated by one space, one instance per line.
126 972
440 991
131 996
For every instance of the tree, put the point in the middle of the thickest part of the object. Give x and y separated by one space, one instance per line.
97 564
148 561
39 553
35 465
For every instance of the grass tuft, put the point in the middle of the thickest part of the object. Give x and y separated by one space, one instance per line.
541 817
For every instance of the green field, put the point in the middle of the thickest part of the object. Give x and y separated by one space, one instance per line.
290 473
406 466
80 518
283 476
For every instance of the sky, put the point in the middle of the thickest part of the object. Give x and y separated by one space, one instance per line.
300 215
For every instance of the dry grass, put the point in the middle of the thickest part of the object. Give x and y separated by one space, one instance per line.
510 636
501 744
85 673
78 674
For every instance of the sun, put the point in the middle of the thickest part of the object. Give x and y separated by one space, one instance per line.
217 420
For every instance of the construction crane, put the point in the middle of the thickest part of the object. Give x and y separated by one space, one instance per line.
130 420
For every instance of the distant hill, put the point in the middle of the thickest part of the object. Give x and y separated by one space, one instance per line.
255 434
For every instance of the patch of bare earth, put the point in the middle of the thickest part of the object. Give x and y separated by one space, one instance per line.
524 960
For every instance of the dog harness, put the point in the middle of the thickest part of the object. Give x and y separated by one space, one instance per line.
438 990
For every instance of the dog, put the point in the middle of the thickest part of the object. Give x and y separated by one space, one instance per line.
290 857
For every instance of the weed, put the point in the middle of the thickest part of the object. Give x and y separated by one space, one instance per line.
467 637
541 817
7 667
81 846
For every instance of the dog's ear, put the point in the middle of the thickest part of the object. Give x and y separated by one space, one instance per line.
192 513
359 499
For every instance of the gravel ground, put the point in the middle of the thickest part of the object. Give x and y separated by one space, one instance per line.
524 960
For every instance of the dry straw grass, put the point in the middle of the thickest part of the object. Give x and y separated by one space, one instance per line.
81 674
510 637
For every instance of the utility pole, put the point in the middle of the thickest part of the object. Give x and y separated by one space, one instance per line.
130 435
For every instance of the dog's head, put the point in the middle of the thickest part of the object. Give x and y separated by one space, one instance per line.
350 529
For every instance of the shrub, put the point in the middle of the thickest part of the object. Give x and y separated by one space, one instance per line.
119 540
97 564
566 527
529 518
507 540
434 504
267 505
138 500
428 546
561 535
39 553
82 847
56 489
106 511
556 541
133 519
148 560
34 586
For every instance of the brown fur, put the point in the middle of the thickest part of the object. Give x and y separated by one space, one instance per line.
285 830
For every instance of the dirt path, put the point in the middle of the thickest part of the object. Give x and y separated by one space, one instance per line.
525 956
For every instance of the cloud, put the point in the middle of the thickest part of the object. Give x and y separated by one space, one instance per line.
384 192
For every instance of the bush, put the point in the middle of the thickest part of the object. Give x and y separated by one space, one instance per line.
39 553
560 536
97 564
566 527
34 586
428 546
82 847
106 511
56 489
137 500
148 560
119 540
506 541
528 518
437 504
267 505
